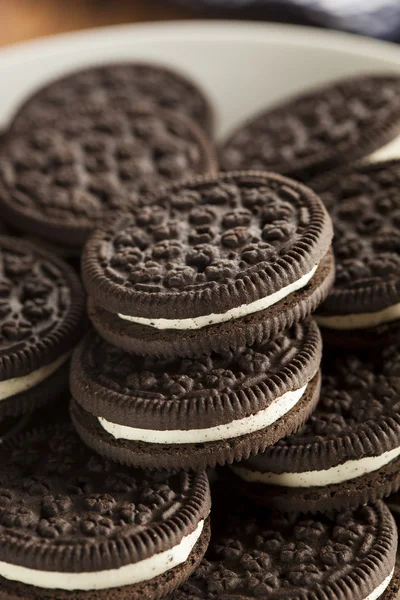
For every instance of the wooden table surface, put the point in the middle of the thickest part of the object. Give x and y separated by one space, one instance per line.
26 19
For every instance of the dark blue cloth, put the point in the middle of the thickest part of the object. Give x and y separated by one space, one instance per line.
377 18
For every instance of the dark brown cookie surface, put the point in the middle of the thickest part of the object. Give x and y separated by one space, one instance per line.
347 452
211 250
64 509
256 555
58 180
322 129
365 209
193 394
41 308
116 85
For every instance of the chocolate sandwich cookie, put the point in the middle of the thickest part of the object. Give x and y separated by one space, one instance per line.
194 413
116 85
41 319
76 527
348 452
363 308
342 556
216 263
57 181
323 129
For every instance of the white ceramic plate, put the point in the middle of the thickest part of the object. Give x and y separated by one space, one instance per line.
243 66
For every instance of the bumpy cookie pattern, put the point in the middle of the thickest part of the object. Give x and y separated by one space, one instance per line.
136 85
319 129
65 175
41 305
186 393
247 234
76 508
358 415
365 208
296 557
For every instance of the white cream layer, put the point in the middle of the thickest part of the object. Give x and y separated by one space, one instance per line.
11 387
127 575
360 321
387 152
345 472
233 313
260 420
377 593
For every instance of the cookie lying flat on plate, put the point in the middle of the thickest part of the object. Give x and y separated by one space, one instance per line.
218 262
323 129
41 319
347 556
116 85
58 180
75 527
194 413
348 452
363 308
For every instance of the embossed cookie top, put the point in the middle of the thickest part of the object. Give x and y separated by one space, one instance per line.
324 128
59 179
41 308
71 510
207 245
358 415
365 209
177 394
296 557
136 85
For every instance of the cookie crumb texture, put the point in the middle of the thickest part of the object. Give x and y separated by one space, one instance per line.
365 208
41 308
63 508
322 129
116 85
301 558
208 245
58 180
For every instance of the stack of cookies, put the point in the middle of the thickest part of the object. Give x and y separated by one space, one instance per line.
198 349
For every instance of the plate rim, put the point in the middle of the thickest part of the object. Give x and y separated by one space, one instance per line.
200 29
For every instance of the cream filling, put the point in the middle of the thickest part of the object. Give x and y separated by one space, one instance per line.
360 321
99 580
390 151
377 593
260 420
345 472
233 313
11 387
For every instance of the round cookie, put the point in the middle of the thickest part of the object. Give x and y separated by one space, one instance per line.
194 414
350 555
116 85
323 129
363 308
57 181
76 527
41 320
348 452
216 263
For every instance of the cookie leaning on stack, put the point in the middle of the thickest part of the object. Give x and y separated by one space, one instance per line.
58 181
363 307
41 320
